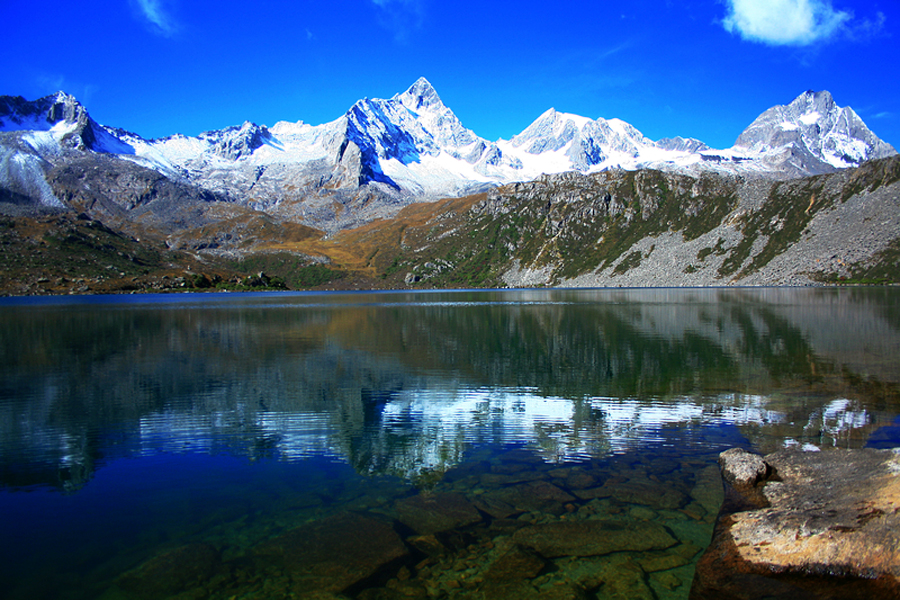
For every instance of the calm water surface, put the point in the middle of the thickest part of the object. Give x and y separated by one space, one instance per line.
496 444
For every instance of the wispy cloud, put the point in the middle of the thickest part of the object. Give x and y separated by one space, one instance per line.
48 83
53 82
786 22
157 16
401 17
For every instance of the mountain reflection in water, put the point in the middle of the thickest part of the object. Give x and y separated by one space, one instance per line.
414 385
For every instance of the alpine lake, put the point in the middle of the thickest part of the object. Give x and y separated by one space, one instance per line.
455 444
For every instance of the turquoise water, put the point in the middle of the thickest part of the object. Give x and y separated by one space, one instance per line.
465 444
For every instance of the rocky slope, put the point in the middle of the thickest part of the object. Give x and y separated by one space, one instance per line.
617 228
651 228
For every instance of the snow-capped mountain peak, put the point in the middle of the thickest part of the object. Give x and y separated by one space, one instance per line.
816 132
586 144
421 97
440 123
551 131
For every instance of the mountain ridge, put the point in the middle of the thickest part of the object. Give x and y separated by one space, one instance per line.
226 192
643 228
413 147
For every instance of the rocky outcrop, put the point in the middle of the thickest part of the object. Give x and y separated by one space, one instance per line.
652 228
830 528
741 468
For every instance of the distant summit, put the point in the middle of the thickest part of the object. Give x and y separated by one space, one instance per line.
813 134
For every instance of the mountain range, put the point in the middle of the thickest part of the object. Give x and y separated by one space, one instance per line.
383 154
399 193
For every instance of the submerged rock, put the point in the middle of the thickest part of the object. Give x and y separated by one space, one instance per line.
831 530
516 563
433 513
170 572
593 537
645 493
335 553
539 496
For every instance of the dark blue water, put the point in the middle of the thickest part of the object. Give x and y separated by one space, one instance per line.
420 445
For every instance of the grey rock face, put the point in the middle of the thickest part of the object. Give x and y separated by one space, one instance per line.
121 193
22 179
586 150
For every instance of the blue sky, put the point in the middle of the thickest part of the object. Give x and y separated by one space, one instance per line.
704 69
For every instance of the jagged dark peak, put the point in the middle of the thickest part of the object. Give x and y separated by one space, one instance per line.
18 113
64 107
420 96
43 114
124 133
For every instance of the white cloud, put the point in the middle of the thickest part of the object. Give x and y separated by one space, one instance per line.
785 22
157 16
401 17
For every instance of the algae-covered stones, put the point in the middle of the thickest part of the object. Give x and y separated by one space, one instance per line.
593 537
170 572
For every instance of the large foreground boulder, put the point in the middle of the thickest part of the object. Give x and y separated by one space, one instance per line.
830 529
